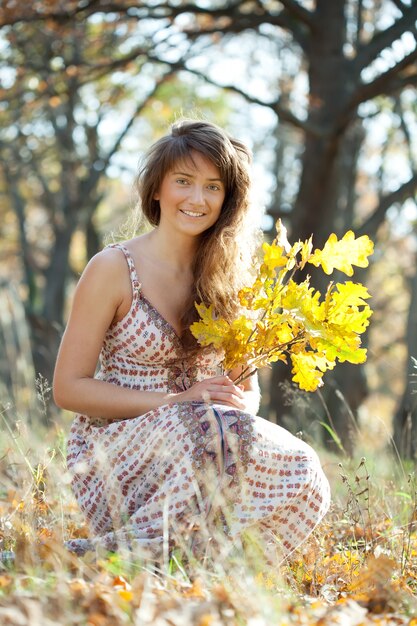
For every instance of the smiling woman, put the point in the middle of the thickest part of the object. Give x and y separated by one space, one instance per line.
165 447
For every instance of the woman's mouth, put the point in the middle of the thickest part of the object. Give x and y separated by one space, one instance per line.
192 213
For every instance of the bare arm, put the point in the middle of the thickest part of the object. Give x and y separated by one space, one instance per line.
103 288
101 291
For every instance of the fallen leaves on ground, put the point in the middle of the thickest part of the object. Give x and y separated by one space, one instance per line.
358 569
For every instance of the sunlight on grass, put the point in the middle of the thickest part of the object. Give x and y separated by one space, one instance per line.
361 562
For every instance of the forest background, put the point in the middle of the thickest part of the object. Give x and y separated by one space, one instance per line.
324 93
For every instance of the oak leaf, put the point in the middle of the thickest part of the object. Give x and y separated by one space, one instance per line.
341 255
308 369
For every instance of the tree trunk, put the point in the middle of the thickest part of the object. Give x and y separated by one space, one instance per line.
405 420
56 275
324 205
332 83
92 238
47 327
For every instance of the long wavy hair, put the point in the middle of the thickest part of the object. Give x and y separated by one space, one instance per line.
226 250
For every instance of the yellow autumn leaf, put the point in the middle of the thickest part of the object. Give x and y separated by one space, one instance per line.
125 594
260 303
273 357
308 369
292 255
236 346
209 330
348 294
257 296
305 250
336 344
242 327
303 302
341 255
347 306
250 296
278 332
274 255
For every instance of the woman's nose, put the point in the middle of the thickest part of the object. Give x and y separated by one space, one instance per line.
197 195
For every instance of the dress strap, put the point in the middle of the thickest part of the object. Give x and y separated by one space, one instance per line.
131 265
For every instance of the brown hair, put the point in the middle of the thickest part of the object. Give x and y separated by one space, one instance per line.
221 263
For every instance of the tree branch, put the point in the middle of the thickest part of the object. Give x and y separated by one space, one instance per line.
50 200
299 12
388 82
241 21
398 109
400 5
383 39
371 225
359 22
18 203
89 183
282 113
293 18
9 17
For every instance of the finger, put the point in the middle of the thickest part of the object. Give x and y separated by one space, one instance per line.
226 380
226 389
221 396
220 379
237 390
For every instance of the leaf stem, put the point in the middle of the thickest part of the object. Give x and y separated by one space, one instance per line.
243 377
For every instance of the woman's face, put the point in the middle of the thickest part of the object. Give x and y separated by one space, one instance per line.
191 196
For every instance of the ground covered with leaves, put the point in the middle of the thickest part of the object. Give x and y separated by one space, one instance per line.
359 567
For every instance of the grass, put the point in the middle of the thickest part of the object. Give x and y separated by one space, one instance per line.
361 563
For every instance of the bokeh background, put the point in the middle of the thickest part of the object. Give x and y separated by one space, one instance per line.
324 94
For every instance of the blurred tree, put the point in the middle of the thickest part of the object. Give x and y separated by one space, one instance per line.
344 62
405 422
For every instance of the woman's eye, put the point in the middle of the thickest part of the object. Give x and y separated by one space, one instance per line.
181 181
214 188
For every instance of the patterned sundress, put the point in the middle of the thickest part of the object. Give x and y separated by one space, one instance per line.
186 472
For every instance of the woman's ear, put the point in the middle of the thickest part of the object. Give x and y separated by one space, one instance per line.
156 196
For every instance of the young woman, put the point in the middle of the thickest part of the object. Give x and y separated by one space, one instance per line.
165 447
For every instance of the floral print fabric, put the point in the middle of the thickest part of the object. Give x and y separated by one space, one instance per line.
185 468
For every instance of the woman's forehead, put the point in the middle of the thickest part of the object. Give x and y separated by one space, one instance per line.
194 161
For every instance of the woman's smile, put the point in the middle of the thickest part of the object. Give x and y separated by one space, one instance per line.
192 213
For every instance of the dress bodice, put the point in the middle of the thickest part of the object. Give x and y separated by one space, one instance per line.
142 351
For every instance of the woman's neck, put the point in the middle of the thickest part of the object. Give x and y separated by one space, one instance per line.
177 252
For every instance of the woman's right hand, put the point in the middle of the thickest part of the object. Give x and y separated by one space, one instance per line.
216 390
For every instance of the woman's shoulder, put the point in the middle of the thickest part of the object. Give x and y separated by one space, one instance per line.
109 264
106 276
127 246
